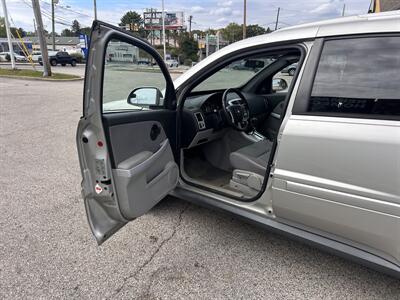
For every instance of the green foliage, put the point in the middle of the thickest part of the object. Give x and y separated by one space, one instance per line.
85 30
32 73
75 27
254 30
67 32
79 57
233 32
187 62
131 17
3 32
13 30
188 47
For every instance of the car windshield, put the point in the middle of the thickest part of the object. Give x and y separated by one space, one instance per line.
236 74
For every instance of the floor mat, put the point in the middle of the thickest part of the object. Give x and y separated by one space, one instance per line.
201 170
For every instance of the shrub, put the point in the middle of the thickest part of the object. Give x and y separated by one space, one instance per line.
79 57
188 62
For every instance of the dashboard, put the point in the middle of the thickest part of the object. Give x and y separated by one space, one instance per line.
203 118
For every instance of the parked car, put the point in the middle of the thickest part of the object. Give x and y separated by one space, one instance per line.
319 162
36 54
61 57
251 64
144 63
172 63
291 70
18 58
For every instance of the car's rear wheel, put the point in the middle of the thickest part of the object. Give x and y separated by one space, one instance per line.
73 63
53 62
291 72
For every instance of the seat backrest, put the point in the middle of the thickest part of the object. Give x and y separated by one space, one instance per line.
273 121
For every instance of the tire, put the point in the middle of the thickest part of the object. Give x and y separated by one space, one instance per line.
291 72
73 63
41 63
53 62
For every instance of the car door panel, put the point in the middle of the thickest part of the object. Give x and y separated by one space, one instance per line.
123 133
324 180
126 157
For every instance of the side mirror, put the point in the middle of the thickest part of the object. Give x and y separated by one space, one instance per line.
279 84
145 96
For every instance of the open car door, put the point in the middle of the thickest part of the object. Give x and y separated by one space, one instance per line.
126 137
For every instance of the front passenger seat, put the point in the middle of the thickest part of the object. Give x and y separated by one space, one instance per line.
253 158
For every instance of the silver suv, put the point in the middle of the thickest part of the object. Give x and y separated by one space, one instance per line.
316 157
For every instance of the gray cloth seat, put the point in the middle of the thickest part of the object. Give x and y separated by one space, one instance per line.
252 158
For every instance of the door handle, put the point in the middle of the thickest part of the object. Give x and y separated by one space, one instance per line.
154 132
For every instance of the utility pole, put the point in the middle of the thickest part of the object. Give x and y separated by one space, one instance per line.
34 25
42 39
10 46
53 34
151 26
218 40
95 9
207 45
163 29
277 18
344 8
244 18
190 25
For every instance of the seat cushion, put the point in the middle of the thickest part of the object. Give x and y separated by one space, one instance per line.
253 158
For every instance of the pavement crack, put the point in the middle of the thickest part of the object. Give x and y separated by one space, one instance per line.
155 252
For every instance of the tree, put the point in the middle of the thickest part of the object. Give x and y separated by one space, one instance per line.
75 27
67 32
85 30
254 30
55 34
233 32
13 30
188 47
131 17
22 32
3 32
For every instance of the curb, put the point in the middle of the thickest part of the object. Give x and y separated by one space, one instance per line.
39 79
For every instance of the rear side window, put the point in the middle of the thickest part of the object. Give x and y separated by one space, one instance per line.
358 76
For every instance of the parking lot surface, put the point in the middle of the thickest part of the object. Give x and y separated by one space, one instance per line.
177 251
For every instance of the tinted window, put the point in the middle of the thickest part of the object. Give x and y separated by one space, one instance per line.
359 76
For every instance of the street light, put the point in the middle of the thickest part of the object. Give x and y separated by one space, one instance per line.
163 29
53 36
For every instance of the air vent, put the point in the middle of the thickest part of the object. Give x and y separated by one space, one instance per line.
200 120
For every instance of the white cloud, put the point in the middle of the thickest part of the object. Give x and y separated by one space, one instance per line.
197 9
225 3
206 13
222 11
330 8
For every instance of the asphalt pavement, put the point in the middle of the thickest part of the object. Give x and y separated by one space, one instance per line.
177 251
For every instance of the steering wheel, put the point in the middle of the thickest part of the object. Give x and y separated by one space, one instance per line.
236 110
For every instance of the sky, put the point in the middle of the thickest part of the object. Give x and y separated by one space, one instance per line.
206 13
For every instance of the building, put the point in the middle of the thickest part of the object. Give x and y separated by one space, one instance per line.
122 52
62 43
383 5
209 44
